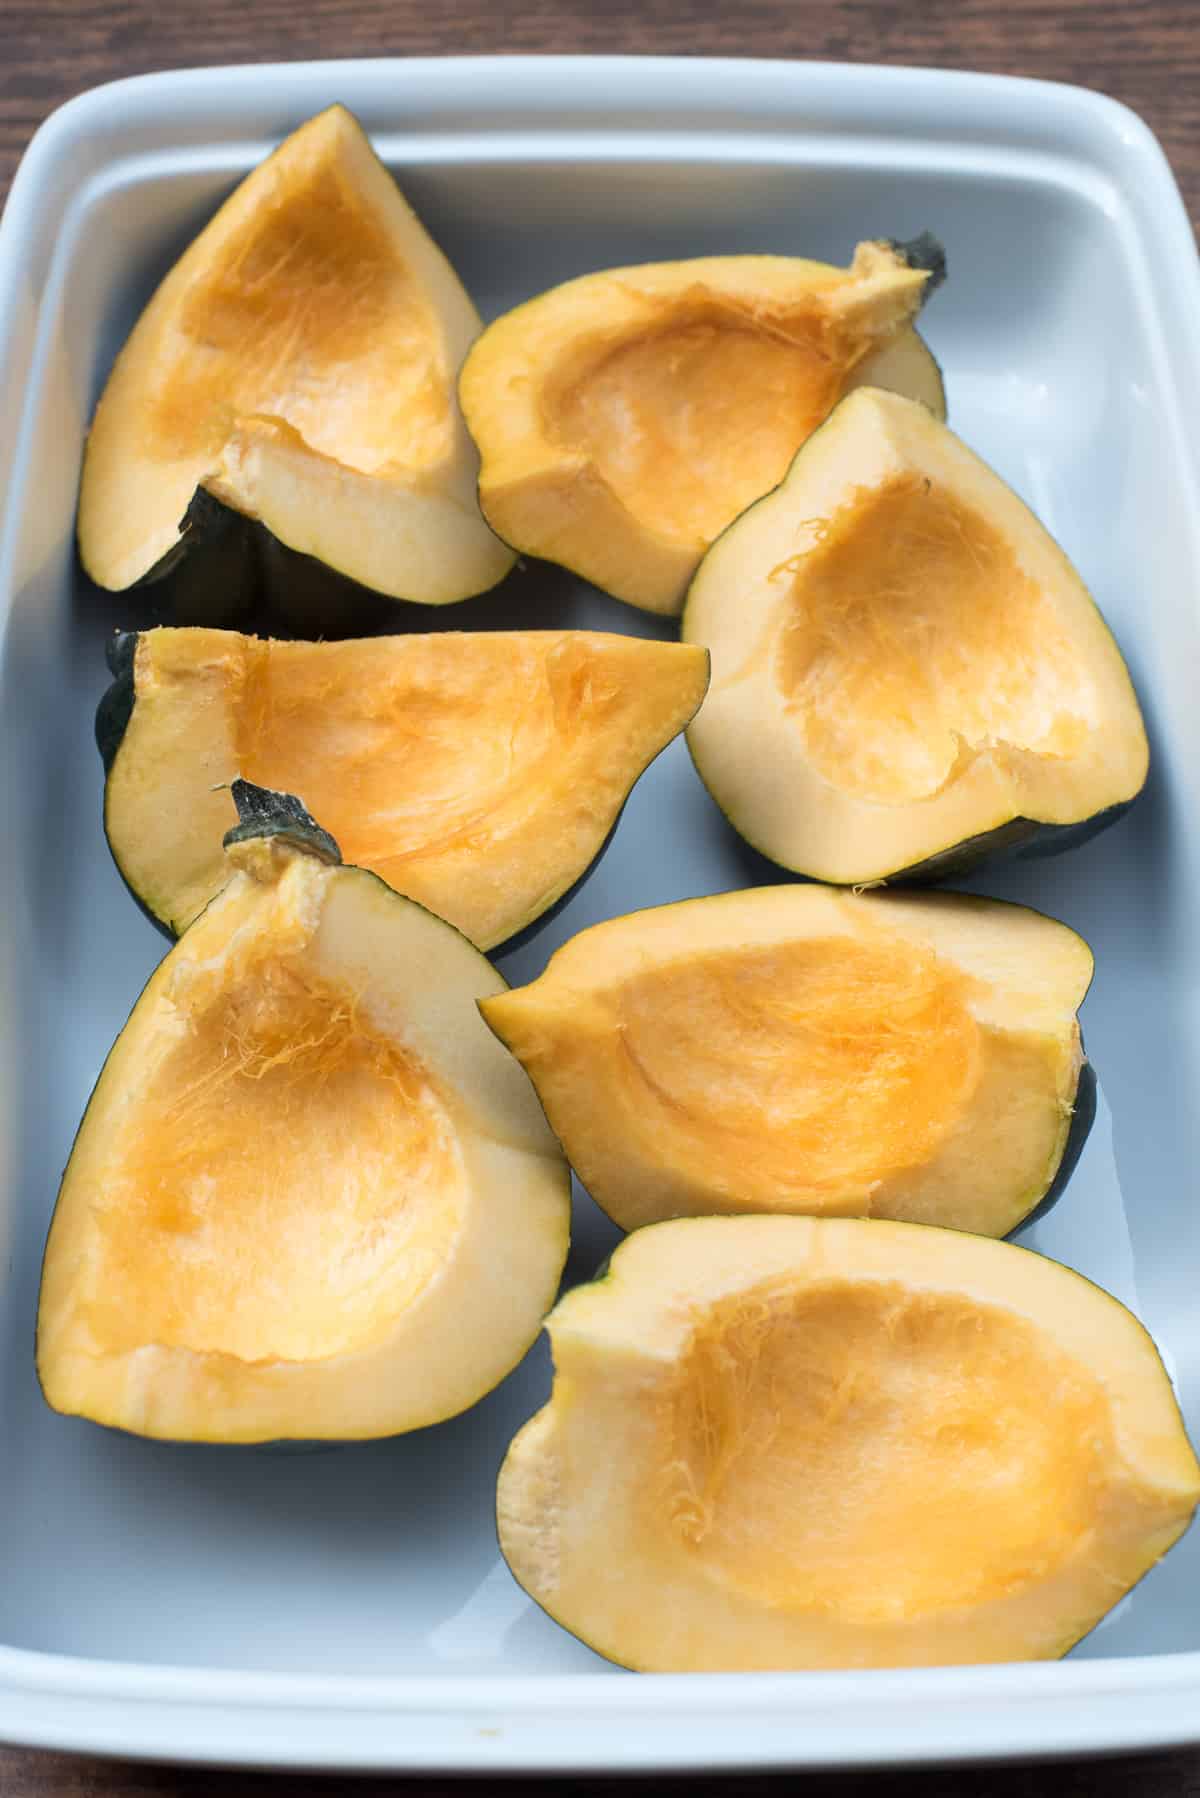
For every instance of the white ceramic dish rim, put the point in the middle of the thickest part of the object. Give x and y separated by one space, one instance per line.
516 108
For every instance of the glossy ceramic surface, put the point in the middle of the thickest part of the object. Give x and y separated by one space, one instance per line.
350 1608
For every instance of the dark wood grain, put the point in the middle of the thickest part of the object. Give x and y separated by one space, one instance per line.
1147 54
25 1775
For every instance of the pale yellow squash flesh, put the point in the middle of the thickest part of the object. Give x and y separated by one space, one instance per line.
789 1443
311 1197
478 773
914 636
369 1179
299 363
625 418
903 659
800 1049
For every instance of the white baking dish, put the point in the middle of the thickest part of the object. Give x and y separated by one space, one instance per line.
349 1609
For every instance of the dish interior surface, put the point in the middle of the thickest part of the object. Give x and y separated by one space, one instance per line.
382 1558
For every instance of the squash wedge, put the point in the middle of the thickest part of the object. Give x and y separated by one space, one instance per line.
625 418
804 1049
792 1443
311 1197
478 772
908 674
292 382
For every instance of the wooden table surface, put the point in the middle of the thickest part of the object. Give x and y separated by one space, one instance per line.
1145 52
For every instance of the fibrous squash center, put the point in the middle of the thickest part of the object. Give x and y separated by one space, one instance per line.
878 1453
286 1188
307 313
691 419
429 756
817 1067
913 638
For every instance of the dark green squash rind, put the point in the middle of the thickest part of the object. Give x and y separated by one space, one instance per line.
112 720
925 253
213 574
263 812
1019 839
1023 838
162 925
113 713
1083 1116
228 571
117 701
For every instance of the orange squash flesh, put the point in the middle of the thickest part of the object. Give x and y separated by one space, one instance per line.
283 1093
907 670
915 638
801 1049
625 418
691 420
311 1197
478 773
795 1443
298 365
